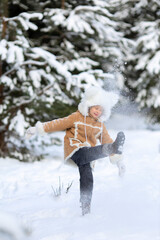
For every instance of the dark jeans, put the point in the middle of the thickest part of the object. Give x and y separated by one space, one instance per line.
82 158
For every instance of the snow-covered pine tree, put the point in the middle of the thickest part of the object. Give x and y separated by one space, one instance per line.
39 70
123 11
143 68
147 57
30 83
84 37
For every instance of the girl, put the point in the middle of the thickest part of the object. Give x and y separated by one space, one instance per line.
84 129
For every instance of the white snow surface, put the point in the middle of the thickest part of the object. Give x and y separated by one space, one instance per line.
125 208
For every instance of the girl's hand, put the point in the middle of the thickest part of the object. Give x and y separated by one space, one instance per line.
30 132
38 129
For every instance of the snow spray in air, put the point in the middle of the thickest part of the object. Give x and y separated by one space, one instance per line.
114 80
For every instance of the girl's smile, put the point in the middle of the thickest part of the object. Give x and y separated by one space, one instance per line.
95 111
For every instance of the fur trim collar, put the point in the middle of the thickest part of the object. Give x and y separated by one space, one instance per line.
97 96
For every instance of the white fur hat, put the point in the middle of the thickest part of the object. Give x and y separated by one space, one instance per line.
97 96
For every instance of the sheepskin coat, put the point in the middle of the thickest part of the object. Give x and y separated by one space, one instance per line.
81 129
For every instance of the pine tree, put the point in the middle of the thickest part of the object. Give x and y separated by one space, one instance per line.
49 57
143 66
147 57
28 82
81 33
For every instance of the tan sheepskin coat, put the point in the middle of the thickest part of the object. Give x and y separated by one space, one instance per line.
80 131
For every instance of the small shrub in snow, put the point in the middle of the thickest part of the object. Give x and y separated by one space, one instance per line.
58 191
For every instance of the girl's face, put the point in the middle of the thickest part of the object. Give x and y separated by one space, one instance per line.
95 111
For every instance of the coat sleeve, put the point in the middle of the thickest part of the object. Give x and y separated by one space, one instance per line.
59 124
105 137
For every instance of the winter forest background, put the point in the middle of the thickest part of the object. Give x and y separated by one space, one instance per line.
50 51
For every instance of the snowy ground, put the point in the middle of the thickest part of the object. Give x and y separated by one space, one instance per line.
125 208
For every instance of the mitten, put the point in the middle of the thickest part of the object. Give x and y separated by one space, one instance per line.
30 132
38 129
117 159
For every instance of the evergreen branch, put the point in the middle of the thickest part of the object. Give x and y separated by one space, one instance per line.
45 89
25 102
24 15
9 19
31 62
94 9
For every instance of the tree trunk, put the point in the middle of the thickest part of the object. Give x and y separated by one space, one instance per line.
62 4
3 35
4 13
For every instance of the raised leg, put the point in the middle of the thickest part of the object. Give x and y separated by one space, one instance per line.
88 154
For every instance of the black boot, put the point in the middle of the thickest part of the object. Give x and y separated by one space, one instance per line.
116 147
118 143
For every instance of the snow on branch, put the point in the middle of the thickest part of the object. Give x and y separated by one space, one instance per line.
76 23
153 65
81 64
18 65
92 9
28 101
24 19
57 16
51 60
81 20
